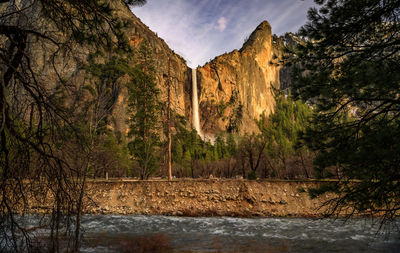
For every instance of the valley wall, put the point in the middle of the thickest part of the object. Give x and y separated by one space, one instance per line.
234 88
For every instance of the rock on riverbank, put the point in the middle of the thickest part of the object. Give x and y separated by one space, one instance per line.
204 198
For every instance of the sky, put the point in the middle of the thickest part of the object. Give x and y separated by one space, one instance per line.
200 30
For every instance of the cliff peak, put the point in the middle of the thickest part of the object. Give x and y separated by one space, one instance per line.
258 37
240 83
264 26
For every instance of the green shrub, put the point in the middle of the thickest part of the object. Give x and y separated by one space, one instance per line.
252 175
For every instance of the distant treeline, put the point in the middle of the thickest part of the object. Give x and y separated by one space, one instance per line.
273 152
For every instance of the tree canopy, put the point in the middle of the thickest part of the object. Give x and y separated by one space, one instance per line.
144 113
281 132
349 68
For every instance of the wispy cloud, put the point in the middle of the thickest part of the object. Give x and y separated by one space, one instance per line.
222 22
201 30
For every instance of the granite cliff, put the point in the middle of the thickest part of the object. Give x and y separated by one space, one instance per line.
237 87
167 63
234 88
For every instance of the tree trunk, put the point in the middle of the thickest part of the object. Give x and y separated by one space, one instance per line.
304 166
79 210
169 122
192 168
243 168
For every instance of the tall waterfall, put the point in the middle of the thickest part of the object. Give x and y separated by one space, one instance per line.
195 103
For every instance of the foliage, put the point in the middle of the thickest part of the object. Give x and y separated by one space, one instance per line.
144 110
235 119
111 155
281 130
44 151
349 69
189 151
252 175
273 152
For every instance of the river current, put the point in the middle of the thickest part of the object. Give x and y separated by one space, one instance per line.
224 234
138 233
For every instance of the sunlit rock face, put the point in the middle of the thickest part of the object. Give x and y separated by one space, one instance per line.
233 89
241 82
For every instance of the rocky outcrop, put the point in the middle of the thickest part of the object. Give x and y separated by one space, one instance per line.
237 87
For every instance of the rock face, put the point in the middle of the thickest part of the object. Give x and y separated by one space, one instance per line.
167 63
67 62
237 87
234 88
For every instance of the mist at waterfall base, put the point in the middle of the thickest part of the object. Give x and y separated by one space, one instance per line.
111 233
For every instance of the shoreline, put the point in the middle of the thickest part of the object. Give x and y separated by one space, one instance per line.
267 198
205 198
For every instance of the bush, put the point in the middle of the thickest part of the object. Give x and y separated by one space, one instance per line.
252 175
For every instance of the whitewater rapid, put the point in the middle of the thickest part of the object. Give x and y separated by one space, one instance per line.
108 233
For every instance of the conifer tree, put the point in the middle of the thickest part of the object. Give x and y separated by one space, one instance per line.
37 129
281 130
144 113
231 144
349 68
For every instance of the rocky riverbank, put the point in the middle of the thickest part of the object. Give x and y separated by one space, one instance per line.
204 198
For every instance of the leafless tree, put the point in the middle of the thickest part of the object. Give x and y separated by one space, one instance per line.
251 149
42 45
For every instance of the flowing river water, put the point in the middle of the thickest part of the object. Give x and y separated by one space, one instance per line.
224 234
124 233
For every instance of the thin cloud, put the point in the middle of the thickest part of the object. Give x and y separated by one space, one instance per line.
222 22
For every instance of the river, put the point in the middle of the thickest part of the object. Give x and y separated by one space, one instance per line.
225 234
124 233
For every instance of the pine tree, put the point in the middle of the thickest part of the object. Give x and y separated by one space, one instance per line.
282 129
349 68
37 130
144 107
231 145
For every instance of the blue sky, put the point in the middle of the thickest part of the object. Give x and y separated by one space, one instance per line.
199 30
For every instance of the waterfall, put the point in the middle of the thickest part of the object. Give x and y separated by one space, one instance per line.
195 104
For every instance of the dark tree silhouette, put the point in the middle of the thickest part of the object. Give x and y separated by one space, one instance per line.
42 44
350 71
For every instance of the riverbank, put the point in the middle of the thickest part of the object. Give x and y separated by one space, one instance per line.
238 198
